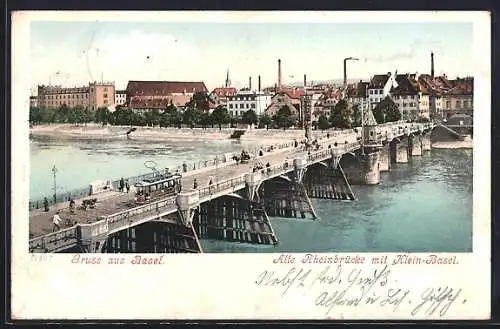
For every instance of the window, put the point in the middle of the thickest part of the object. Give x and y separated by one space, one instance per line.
248 106
253 105
230 106
105 102
241 105
105 95
371 91
105 88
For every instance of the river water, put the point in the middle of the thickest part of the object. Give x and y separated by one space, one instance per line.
422 206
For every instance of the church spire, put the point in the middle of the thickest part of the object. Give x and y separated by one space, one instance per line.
228 81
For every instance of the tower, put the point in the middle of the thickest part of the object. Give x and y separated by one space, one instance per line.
279 74
432 64
228 81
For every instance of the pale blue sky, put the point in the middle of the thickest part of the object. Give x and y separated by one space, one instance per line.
81 51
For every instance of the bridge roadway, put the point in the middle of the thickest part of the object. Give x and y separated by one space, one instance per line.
113 202
99 224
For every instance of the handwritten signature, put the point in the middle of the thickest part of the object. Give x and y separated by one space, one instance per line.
340 287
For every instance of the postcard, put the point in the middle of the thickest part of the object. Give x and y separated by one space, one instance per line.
250 165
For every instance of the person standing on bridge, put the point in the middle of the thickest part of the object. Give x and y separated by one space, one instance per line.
127 185
195 184
56 220
122 184
45 204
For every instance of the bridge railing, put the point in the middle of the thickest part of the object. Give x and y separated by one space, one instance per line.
221 186
55 240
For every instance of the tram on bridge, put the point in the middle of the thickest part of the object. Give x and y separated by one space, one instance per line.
157 187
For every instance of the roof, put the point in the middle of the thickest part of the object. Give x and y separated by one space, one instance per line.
294 93
378 81
407 85
151 88
162 103
462 86
225 91
120 91
357 90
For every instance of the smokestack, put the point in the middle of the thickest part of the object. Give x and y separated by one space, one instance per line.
250 83
305 80
279 74
259 82
432 64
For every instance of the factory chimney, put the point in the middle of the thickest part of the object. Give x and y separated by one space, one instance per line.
249 83
279 74
259 83
432 64
305 80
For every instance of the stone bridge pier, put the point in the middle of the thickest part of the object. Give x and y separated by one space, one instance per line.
361 168
384 158
426 141
415 144
399 150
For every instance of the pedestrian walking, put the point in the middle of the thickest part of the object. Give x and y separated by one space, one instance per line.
46 204
56 220
195 184
127 186
122 184
72 206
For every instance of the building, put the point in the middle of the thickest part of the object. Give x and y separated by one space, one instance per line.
287 96
376 89
93 96
158 95
33 101
220 95
357 94
246 100
460 98
407 95
120 97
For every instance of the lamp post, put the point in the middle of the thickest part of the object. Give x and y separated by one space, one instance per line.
345 68
54 171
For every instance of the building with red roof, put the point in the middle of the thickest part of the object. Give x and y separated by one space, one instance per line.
151 95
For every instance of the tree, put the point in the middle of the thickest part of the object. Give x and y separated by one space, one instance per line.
356 116
264 121
386 111
104 116
199 102
48 115
341 114
323 122
205 119
35 115
190 117
284 117
220 116
249 117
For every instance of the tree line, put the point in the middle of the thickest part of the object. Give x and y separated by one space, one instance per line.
196 114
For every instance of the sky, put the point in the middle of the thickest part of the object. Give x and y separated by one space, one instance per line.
72 53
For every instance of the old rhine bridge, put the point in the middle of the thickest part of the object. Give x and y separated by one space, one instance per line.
237 207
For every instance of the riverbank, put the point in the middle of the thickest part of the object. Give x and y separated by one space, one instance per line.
92 131
467 144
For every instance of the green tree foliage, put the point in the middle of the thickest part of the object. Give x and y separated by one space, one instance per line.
386 111
205 119
323 122
341 115
284 118
249 117
35 116
190 117
356 116
220 116
264 121
104 116
199 102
